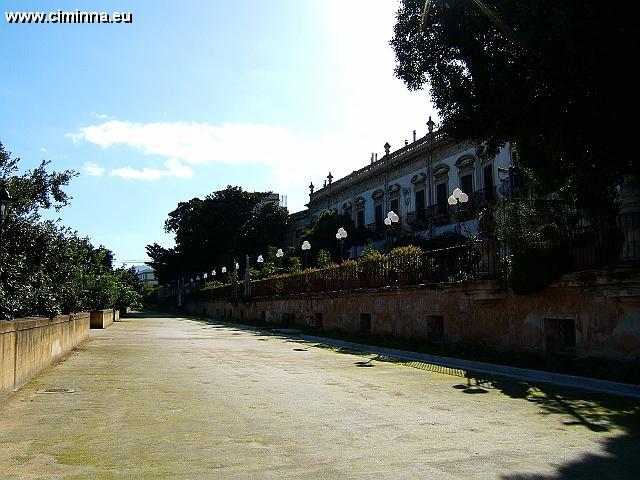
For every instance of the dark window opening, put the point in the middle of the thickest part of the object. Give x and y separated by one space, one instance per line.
365 323
360 219
560 335
441 197
395 205
318 320
263 316
420 206
379 215
435 328
487 174
466 183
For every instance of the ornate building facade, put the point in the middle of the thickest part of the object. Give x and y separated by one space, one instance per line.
415 182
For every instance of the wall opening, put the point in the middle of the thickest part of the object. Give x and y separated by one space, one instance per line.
317 321
435 328
560 335
263 316
288 318
365 323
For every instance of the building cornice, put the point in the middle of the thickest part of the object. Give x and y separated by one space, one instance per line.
387 163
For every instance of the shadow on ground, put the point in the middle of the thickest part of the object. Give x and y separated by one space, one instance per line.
574 408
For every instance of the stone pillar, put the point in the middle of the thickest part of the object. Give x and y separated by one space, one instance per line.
629 218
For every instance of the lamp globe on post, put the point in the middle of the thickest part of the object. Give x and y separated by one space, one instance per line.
340 236
260 261
458 197
279 255
391 221
306 246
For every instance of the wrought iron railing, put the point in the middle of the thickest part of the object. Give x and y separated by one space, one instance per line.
589 245
477 260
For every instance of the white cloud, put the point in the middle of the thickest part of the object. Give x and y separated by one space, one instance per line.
173 169
101 116
43 150
292 159
93 169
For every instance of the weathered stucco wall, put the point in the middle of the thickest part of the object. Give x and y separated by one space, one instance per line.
102 318
27 345
589 314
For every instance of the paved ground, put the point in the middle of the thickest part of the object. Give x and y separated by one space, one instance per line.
179 398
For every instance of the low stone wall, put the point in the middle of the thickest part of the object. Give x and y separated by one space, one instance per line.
116 315
102 318
588 314
27 345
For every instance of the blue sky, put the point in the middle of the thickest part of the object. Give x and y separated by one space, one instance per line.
197 95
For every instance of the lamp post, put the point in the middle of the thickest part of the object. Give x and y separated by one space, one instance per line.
340 236
224 273
247 279
458 197
306 246
234 278
391 221
279 255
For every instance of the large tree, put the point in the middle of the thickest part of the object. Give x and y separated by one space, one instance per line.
554 78
45 268
211 232
321 234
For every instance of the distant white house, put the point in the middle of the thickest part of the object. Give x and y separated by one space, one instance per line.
146 274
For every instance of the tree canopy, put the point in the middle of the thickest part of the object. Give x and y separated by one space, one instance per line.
321 234
45 268
552 77
211 232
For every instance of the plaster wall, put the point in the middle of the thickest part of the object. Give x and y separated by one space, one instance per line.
102 318
603 310
27 345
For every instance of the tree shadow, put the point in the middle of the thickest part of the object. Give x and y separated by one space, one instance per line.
620 457
597 412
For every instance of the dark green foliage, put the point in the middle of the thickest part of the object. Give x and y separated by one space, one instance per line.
534 230
321 234
211 232
46 269
552 77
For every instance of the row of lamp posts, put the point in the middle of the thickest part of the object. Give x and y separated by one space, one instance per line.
458 197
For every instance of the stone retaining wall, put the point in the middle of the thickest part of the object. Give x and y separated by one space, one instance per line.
27 345
102 318
587 314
